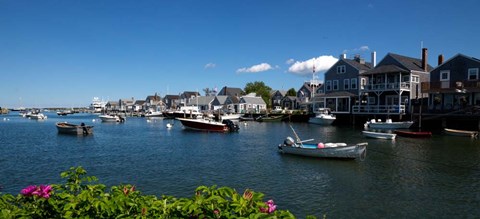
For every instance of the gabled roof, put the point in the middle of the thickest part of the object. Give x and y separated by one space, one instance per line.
359 66
172 97
140 102
282 92
154 97
252 100
201 100
190 93
410 63
402 64
231 91
387 69
222 99
457 56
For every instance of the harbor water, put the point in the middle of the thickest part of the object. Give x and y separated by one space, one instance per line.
437 177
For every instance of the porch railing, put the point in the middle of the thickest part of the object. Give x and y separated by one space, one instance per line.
378 109
386 86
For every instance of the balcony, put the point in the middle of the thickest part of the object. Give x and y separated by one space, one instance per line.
450 86
379 109
386 86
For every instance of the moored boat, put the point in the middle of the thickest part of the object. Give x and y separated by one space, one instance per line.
111 118
413 134
388 124
379 135
327 150
208 125
68 128
267 118
464 133
322 117
37 116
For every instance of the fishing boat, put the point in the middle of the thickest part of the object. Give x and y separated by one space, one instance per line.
413 134
322 150
327 150
111 118
379 135
68 128
322 117
37 116
209 125
267 118
464 133
388 124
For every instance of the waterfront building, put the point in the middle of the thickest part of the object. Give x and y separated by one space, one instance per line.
276 98
225 103
392 85
153 103
171 101
252 104
454 86
203 103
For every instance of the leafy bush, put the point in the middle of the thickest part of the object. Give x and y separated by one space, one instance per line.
79 197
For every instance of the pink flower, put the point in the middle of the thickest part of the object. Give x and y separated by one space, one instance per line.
42 191
29 190
271 207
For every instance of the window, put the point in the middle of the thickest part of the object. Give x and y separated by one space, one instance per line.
445 75
346 84
415 78
328 85
341 69
473 74
335 84
353 83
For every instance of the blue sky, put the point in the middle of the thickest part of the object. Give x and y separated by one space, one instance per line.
64 53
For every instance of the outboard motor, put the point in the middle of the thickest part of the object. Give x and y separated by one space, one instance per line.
289 141
232 127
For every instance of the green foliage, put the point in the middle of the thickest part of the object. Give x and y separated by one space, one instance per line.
292 92
260 89
79 197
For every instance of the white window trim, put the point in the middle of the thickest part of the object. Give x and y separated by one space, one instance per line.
473 71
415 78
445 72
328 85
346 84
335 82
341 69
353 83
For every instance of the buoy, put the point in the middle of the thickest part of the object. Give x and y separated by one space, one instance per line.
320 145
169 125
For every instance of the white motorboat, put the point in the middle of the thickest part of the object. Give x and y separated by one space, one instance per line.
388 124
111 118
38 116
322 117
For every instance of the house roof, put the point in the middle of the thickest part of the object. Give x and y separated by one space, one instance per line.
201 100
387 69
282 92
404 64
231 91
339 94
356 64
459 55
172 97
154 97
140 102
253 100
221 99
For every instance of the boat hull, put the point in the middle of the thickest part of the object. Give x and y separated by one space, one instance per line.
379 135
463 133
390 125
321 121
413 134
339 152
270 119
203 125
72 129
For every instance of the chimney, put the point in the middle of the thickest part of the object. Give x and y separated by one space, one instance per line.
424 59
440 59
374 59
343 56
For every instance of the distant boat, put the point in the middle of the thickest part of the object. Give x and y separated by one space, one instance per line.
464 133
37 116
208 125
270 118
413 134
379 135
322 117
230 116
154 114
67 128
388 124
183 112
111 118
64 112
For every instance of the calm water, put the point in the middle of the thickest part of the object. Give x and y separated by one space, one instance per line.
415 178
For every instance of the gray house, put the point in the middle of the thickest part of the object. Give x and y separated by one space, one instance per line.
341 86
251 104
224 103
454 84
391 86
276 98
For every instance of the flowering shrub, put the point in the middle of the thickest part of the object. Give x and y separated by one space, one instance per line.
79 197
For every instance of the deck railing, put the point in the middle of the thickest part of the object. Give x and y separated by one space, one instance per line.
378 109
386 86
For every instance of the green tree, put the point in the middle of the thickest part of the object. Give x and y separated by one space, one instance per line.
292 92
261 89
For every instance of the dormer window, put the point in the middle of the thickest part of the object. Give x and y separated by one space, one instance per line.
341 69
473 74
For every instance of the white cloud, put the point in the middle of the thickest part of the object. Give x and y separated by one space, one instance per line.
255 68
290 61
357 50
210 65
322 64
